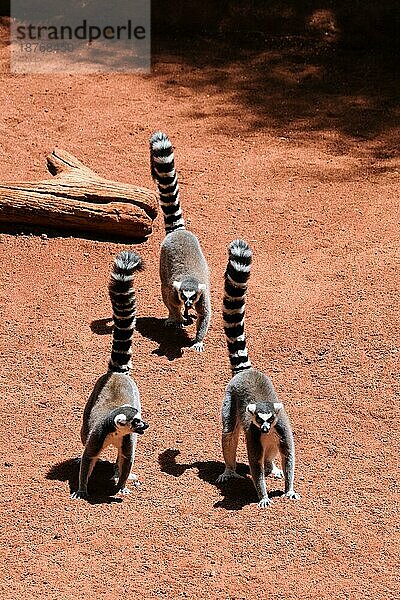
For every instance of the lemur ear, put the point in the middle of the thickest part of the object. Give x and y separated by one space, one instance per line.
202 287
177 285
251 408
278 406
120 419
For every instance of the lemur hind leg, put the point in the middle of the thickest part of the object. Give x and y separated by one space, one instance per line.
258 476
229 447
132 476
120 459
125 461
203 309
87 465
288 462
230 437
257 468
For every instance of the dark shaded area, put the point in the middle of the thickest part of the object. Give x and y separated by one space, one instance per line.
363 21
101 479
50 232
237 493
4 8
171 340
300 86
300 68
102 326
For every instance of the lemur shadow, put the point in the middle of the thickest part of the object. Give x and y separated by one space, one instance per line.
171 340
101 479
102 326
236 493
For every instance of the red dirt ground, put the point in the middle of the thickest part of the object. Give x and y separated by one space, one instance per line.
297 156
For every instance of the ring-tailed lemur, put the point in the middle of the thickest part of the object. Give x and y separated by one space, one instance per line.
250 401
183 268
112 415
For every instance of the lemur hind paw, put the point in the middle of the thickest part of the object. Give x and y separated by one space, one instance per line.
292 495
265 502
79 495
198 346
227 475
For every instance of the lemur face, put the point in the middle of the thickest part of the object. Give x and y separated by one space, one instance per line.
188 297
188 292
262 418
126 425
138 426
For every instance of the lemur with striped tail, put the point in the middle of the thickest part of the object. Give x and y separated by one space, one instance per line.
112 415
183 268
250 402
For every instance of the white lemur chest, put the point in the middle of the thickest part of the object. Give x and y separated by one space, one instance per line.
114 439
270 445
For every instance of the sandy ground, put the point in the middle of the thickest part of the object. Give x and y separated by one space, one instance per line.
294 148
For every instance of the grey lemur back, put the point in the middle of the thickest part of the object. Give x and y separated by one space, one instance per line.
183 268
112 414
250 402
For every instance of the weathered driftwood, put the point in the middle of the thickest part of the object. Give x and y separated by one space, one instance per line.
76 198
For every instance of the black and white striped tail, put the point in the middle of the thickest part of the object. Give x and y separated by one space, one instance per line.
236 277
163 172
123 300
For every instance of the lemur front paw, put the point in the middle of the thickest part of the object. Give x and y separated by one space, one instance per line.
79 495
292 495
265 502
198 346
227 475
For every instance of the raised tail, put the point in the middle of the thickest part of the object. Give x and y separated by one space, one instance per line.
236 277
123 300
164 174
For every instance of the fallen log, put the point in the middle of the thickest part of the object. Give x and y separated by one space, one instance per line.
77 199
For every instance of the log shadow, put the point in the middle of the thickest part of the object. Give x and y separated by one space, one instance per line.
17 229
101 479
237 493
171 340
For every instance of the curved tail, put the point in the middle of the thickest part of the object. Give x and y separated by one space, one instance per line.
123 300
236 277
164 174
